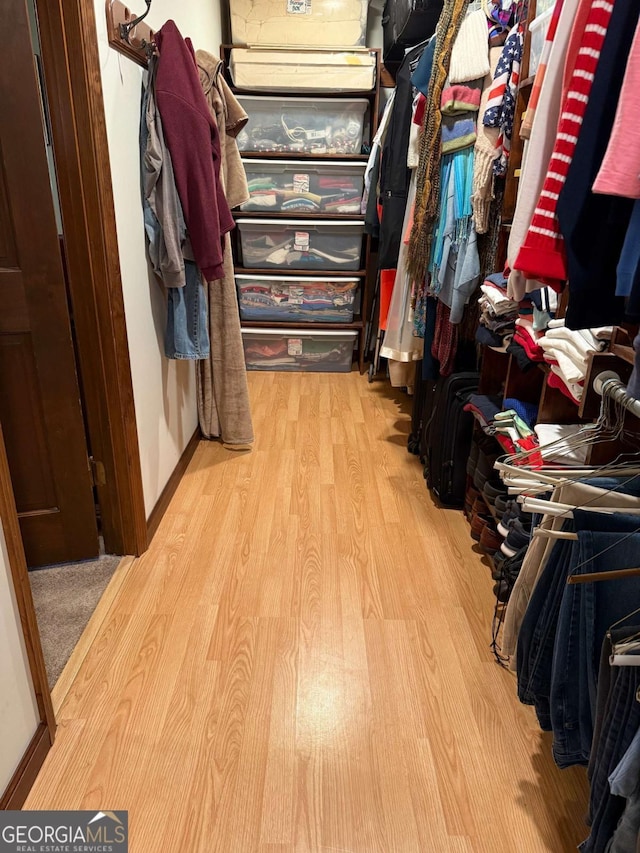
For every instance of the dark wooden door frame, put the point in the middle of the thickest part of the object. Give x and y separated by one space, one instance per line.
71 64
28 769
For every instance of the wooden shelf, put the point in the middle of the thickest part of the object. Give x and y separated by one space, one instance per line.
296 214
296 273
301 155
527 83
307 326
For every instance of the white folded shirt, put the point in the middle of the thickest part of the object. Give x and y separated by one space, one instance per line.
549 433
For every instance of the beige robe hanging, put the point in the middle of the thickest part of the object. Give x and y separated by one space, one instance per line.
223 395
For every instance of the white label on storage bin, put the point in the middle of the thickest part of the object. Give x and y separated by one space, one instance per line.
299 7
316 134
301 183
301 243
294 346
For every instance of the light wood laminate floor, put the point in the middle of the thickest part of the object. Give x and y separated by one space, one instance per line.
301 660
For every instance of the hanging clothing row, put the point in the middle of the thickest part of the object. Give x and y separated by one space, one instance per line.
543 313
445 137
191 177
559 635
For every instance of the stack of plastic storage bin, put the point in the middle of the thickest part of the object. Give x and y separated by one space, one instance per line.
538 29
310 91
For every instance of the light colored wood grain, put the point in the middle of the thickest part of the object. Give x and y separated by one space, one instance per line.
89 635
300 663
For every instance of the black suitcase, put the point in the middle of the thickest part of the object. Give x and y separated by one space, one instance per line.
422 389
446 438
406 23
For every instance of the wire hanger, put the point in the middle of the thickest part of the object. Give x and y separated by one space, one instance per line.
616 574
621 651
610 426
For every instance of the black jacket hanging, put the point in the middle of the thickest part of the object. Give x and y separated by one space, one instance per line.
394 174
594 226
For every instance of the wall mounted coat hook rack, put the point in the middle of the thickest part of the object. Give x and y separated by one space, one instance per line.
127 32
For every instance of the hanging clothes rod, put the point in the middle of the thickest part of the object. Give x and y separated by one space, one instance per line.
609 384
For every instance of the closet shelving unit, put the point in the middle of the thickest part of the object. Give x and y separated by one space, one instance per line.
500 374
499 371
366 274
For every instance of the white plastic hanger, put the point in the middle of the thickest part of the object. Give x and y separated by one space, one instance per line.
622 651
566 510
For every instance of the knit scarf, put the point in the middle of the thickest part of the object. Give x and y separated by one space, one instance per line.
428 188
542 255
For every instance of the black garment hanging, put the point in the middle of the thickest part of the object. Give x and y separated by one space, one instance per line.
405 23
593 225
394 174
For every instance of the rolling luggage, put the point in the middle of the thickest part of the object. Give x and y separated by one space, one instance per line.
446 437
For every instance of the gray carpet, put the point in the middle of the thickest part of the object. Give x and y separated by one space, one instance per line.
65 598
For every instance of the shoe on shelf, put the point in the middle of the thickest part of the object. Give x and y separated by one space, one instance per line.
503 503
517 539
478 524
502 591
490 540
484 470
498 570
472 461
480 506
493 490
506 522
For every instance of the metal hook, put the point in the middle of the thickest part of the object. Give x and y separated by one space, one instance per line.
126 29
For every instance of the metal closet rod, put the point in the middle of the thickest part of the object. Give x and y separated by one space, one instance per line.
609 384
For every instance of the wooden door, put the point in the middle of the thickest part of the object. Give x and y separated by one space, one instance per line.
40 408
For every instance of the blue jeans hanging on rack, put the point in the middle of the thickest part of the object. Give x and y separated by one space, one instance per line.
187 332
586 612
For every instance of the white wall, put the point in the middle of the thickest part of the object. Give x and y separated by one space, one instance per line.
374 24
164 391
19 717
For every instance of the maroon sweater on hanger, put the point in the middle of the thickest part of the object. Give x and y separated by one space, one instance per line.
192 138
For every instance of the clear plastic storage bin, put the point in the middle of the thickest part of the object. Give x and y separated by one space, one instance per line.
309 187
315 351
543 6
299 125
300 244
302 23
296 300
255 70
538 28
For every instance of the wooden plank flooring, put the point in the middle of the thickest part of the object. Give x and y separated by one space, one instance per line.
301 660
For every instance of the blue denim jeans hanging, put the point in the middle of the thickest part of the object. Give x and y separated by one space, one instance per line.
606 543
187 333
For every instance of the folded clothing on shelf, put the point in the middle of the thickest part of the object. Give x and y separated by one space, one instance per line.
310 244
562 452
308 187
298 350
513 432
314 300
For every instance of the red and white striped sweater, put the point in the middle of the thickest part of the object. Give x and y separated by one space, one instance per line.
542 255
